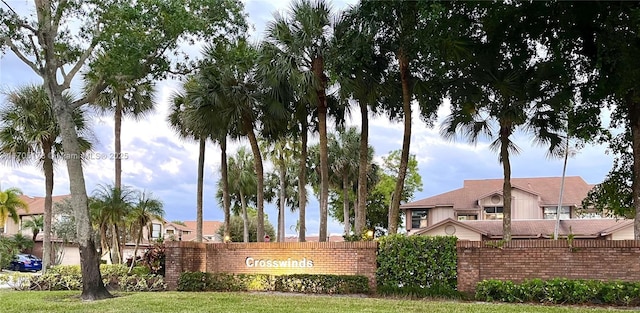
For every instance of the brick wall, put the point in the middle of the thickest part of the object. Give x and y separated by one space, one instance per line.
339 258
545 259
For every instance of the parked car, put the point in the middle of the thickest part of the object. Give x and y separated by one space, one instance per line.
26 262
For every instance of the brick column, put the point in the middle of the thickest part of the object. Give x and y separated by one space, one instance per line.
173 264
468 265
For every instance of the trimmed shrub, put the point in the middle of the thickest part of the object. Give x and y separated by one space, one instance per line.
417 266
17 281
326 284
147 282
560 291
115 277
302 283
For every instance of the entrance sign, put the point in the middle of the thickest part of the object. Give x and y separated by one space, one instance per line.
271 258
288 263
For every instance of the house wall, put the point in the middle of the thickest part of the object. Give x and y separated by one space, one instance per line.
525 205
460 232
440 214
546 259
11 228
339 258
488 201
407 219
623 234
71 255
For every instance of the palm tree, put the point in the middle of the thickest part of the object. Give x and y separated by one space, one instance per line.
241 185
344 155
10 203
35 225
360 75
181 120
408 33
230 80
146 209
30 135
499 90
300 42
281 154
113 205
124 99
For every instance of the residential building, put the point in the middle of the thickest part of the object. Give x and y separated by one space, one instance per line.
209 231
68 254
482 200
311 238
477 230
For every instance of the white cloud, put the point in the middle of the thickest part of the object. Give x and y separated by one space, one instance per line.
172 167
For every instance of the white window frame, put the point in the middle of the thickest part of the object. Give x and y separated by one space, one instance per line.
549 213
156 234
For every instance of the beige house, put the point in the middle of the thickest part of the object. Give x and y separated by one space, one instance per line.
482 200
607 229
209 231
68 253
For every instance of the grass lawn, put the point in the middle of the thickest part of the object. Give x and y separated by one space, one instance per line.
69 301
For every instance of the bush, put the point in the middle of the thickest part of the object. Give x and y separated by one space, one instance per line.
154 259
17 281
10 246
560 291
147 282
417 266
115 277
326 284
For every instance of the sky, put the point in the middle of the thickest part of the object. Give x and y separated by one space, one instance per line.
157 160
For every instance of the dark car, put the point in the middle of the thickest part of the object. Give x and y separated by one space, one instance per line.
26 262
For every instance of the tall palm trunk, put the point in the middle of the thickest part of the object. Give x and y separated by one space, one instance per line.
345 203
317 67
245 217
363 166
226 200
92 286
200 187
556 229
260 176
302 181
283 199
104 244
394 209
633 107
117 129
115 249
135 249
505 132
48 206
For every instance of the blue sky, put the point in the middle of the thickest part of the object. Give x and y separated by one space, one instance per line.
158 161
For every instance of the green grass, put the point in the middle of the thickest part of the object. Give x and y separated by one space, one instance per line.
69 301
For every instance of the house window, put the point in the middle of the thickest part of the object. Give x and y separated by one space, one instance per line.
155 230
550 213
418 218
170 231
493 213
467 217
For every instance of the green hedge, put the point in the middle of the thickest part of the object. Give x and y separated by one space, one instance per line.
561 291
115 277
303 283
417 266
